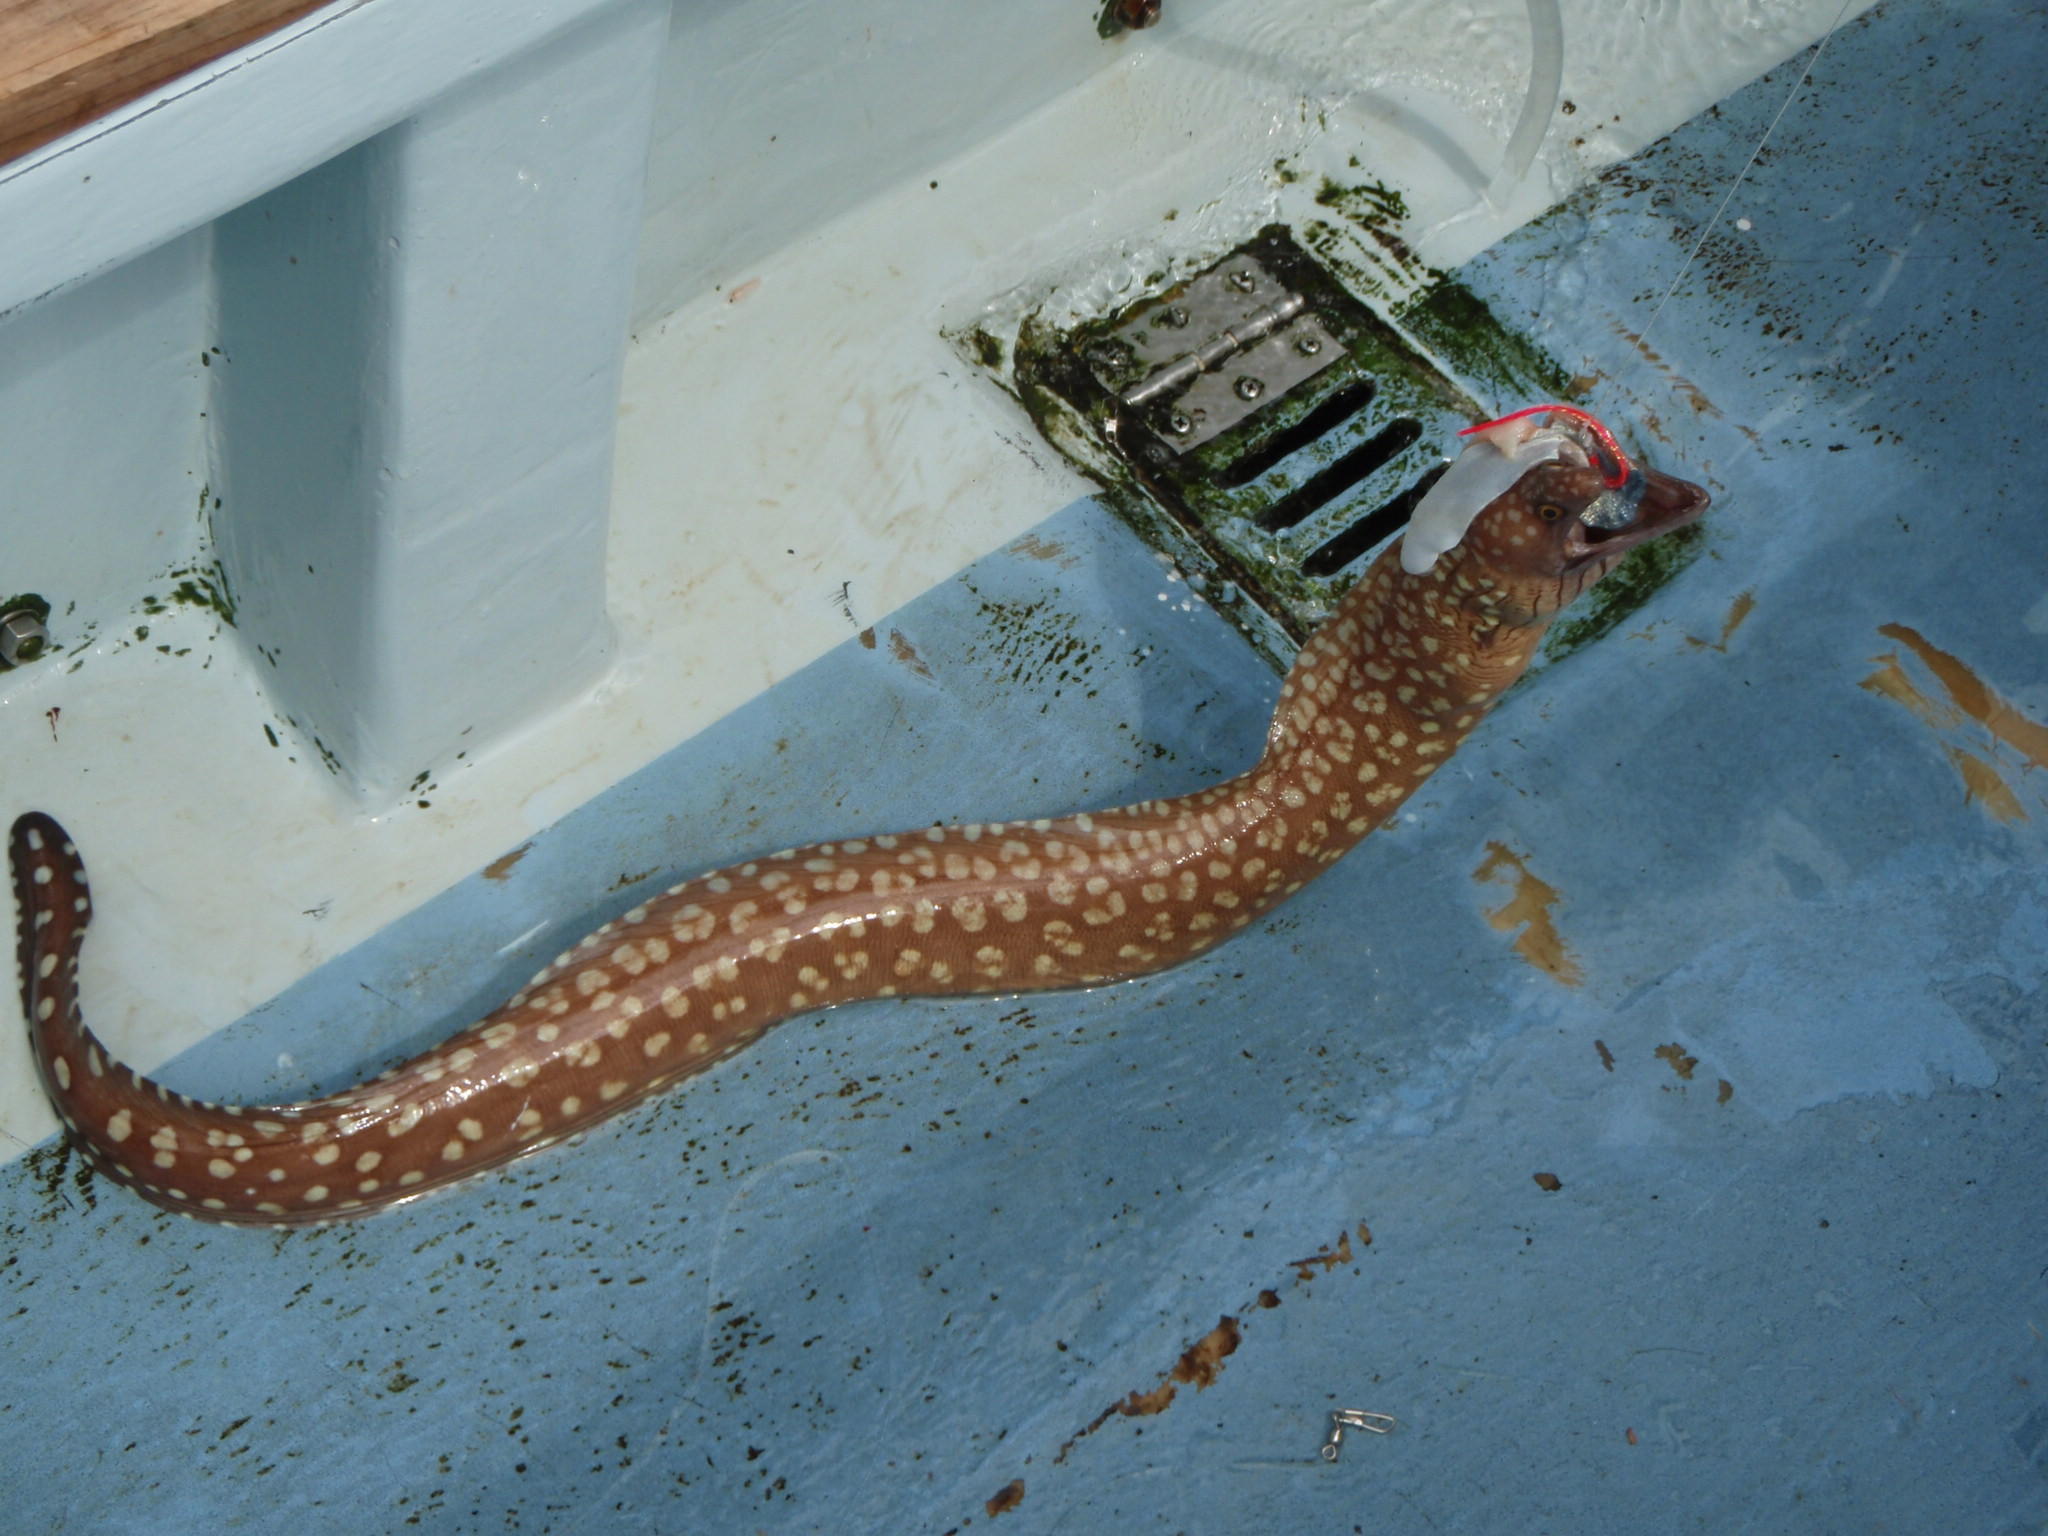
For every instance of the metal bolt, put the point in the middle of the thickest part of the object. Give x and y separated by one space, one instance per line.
22 638
1175 316
1249 388
1308 346
1243 281
1179 424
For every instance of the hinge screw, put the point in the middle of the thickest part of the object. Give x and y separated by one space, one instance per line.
22 638
1243 281
1179 424
1110 355
1309 346
1249 388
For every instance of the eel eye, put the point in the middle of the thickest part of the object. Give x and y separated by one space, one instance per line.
1550 511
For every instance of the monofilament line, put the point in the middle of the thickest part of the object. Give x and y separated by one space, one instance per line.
1643 336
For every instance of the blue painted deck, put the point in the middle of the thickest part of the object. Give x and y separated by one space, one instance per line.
898 1258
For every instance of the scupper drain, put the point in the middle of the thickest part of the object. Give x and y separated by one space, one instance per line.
1279 431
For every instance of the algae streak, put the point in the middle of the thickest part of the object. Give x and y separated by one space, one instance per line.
1454 323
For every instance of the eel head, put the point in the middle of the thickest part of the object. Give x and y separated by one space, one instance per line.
1560 527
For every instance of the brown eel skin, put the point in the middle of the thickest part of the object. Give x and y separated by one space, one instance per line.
1380 696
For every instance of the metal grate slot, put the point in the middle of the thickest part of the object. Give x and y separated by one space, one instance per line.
1371 530
1255 408
1341 405
1333 480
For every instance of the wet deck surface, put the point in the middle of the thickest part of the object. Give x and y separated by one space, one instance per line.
1733 923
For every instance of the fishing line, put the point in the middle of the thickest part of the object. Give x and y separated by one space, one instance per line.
1643 336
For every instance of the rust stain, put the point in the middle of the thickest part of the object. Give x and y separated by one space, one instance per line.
1983 783
1329 1258
867 637
1032 547
901 648
1890 681
1144 1404
1694 395
1740 609
1681 1063
1203 1360
1529 909
1974 697
501 869
1606 1056
1966 697
1200 1364
1007 1498
1549 1183
1725 1092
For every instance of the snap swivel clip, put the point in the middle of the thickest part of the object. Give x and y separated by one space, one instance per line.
1342 1419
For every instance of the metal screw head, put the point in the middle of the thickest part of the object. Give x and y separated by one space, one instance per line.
1179 424
1249 388
1110 354
1243 281
22 638
1174 316
1308 346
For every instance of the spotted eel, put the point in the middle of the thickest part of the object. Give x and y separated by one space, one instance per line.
1380 696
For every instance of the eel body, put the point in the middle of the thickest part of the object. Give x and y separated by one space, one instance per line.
1380 696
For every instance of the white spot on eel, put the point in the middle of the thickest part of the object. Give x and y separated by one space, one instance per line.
997 908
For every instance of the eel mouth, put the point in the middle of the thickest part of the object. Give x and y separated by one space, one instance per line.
1667 503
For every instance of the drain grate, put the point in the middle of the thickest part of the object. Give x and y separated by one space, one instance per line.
1275 430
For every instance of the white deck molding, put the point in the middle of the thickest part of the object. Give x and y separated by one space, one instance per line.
420 346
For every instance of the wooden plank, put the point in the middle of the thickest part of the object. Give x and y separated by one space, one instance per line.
64 62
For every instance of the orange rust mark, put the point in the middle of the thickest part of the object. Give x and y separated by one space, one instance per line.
1529 908
1983 783
1631 1436
1032 547
901 648
1144 1404
1968 697
1203 1360
1200 1364
1329 1258
1725 1092
867 637
1743 606
1974 697
1890 681
1549 1183
501 869
1606 1056
1681 1063
1694 395
1007 1498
